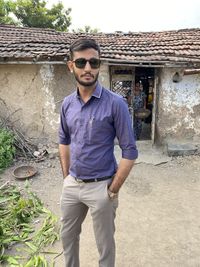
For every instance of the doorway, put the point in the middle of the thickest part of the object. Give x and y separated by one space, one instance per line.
145 77
123 81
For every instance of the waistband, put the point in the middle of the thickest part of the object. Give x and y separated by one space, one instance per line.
92 180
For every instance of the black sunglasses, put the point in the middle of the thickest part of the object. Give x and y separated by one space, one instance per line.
81 62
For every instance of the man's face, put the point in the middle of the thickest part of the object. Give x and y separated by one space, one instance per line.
85 72
137 86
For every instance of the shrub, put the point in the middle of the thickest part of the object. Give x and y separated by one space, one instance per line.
7 149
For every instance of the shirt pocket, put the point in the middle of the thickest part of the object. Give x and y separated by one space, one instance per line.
99 131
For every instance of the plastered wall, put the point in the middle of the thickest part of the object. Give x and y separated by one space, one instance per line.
178 116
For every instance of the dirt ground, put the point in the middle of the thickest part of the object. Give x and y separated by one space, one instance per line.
157 223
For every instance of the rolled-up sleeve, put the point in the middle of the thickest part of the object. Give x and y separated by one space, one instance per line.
64 137
124 131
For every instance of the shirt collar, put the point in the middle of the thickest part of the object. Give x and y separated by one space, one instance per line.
97 92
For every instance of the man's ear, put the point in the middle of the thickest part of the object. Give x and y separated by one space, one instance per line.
70 65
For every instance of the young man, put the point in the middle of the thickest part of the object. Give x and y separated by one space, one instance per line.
91 118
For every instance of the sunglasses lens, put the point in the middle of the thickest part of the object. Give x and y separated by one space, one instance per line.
94 63
81 62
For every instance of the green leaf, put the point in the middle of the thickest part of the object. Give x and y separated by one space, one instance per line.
31 246
34 13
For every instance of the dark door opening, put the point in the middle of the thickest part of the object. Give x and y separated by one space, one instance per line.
144 77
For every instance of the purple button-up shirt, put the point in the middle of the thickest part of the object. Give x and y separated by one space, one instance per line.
90 129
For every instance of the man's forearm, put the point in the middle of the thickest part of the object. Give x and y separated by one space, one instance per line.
122 173
64 159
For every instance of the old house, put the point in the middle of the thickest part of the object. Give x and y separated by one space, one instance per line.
34 78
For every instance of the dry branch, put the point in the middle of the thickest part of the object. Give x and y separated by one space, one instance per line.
23 145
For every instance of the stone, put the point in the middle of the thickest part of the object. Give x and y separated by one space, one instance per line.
176 150
53 152
36 154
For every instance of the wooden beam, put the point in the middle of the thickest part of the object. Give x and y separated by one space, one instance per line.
191 71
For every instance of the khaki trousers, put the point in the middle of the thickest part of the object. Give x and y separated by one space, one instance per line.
76 199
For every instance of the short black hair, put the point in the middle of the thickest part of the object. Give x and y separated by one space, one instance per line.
83 44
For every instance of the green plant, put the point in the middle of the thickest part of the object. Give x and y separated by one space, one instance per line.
18 208
7 149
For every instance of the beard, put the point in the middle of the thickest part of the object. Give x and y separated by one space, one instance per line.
86 84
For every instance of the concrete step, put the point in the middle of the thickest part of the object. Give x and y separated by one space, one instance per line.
182 149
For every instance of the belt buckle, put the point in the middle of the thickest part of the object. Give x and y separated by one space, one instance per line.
79 180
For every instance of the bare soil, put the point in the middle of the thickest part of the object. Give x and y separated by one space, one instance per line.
157 223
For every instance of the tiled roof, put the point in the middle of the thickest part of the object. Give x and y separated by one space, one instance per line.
170 47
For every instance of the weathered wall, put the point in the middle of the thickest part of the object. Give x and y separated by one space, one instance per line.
36 92
104 76
33 90
178 116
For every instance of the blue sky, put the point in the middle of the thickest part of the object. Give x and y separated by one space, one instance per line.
132 15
